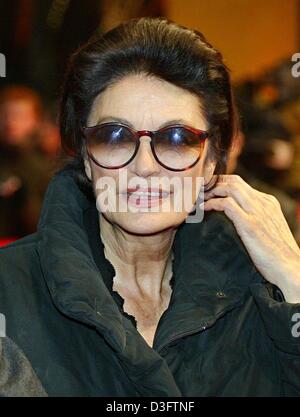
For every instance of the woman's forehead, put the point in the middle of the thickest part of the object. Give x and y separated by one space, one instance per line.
144 100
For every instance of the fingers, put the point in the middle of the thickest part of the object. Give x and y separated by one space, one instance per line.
231 179
228 190
235 187
249 199
229 206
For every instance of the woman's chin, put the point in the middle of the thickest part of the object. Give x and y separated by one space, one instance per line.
146 223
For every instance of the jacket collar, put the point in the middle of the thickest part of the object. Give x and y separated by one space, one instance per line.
212 270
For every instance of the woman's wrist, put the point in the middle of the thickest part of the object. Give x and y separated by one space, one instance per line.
289 283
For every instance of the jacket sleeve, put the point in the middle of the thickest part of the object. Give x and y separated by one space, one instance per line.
17 378
282 323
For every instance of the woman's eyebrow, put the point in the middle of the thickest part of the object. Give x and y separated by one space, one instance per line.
121 120
175 122
114 119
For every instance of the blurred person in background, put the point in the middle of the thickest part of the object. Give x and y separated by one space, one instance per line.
290 114
20 115
24 173
268 150
270 105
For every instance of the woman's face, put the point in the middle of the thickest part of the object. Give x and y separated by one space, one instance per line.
147 103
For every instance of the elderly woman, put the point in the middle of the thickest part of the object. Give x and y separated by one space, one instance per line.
107 301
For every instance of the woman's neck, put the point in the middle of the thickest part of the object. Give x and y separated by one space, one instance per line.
143 264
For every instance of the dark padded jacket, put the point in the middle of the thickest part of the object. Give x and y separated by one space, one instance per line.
226 332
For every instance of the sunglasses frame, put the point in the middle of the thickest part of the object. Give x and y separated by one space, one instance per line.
203 135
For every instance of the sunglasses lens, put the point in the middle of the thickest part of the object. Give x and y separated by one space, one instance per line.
177 147
111 145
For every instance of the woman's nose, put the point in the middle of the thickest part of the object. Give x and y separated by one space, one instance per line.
144 163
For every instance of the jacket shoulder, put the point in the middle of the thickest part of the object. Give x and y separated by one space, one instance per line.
19 262
29 239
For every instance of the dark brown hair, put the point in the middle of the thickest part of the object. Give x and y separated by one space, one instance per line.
157 47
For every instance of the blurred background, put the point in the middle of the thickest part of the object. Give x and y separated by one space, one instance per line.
257 40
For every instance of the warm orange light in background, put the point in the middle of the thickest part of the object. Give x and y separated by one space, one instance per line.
252 34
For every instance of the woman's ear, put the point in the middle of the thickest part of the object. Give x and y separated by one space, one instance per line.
209 169
87 168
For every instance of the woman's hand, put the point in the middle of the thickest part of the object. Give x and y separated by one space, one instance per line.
263 229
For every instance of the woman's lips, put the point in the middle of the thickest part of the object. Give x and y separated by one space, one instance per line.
145 197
